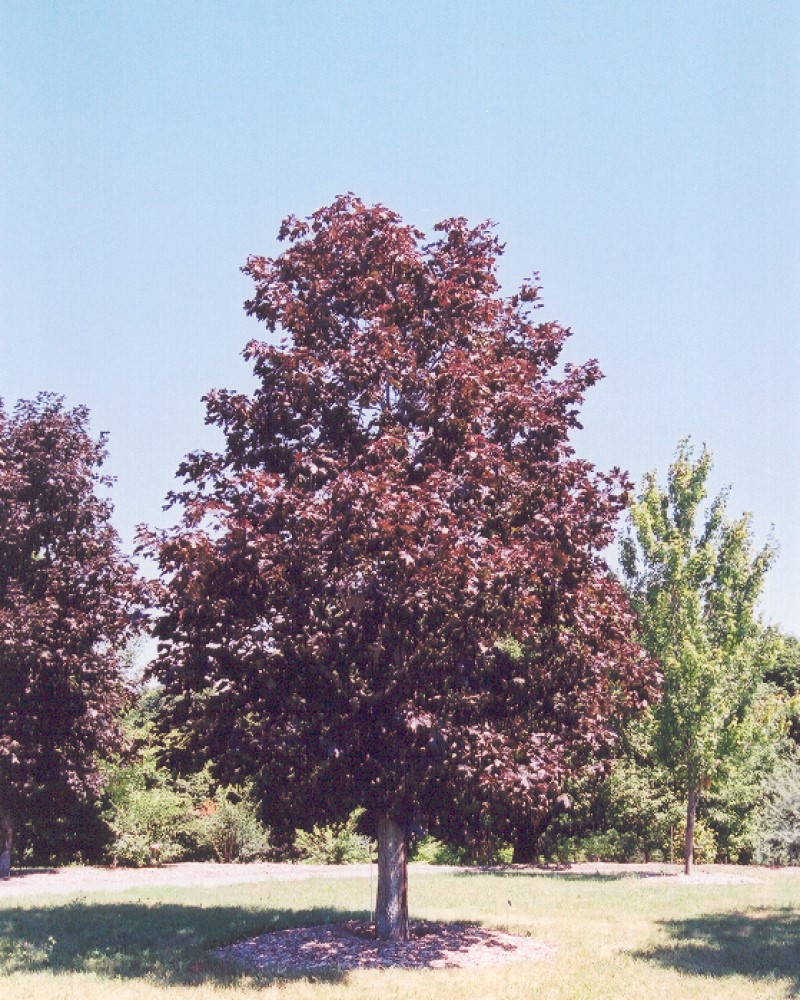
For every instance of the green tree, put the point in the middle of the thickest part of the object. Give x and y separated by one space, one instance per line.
784 673
734 805
695 579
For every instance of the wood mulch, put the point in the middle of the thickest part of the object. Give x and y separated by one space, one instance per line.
352 945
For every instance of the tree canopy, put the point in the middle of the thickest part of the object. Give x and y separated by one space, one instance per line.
695 580
68 607
386 590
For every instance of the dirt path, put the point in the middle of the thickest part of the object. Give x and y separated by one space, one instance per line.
79 880
200 875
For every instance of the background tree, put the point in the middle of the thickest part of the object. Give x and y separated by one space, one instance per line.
625 813
784 673
637 811
695 580
396 502
68 604
778 841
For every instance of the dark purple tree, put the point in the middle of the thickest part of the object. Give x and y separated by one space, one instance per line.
386 590
68 608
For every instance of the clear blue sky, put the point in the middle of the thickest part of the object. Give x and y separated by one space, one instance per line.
643 157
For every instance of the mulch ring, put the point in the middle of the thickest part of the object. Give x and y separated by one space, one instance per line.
353 945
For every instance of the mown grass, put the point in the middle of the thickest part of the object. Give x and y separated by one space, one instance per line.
616 937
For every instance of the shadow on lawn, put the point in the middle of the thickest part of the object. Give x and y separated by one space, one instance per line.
166 942
761 943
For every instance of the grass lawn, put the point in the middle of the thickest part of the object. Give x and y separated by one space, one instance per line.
616 936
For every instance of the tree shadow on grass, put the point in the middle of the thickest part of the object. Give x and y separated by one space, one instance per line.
168 943
763 943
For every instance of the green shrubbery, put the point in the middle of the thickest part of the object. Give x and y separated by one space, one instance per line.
150 826
338 844
778 840
149 814
430 851
630 814
156 818
229 824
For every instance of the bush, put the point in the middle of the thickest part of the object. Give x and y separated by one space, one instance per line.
430 851
229 824
748 777
778 830
705 842
151 817
627 815
610 845
151 826
338 844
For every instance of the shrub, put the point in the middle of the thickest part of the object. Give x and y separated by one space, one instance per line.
705 842
229 824
338 844
778 829
150 816
629 814
430 851
151 826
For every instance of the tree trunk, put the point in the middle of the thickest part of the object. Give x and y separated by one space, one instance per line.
526 841
688 844
391 905
6 836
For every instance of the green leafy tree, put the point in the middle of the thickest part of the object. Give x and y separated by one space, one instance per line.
634 811
734 804
784 673
695 579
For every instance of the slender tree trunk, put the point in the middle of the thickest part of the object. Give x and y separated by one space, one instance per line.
391 905
6 837
688 845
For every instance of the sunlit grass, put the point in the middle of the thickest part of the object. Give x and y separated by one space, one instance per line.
615 938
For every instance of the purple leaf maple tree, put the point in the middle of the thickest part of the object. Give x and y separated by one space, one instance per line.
386 590
70 602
